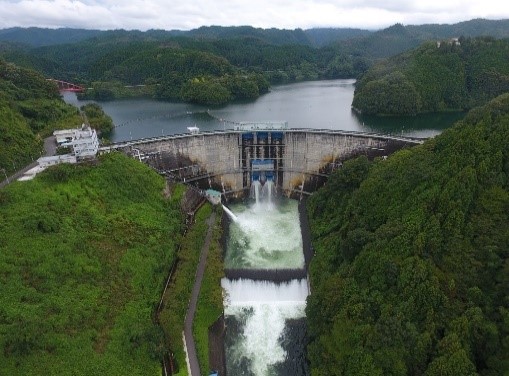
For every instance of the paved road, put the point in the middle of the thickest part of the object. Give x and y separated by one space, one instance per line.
188 325
50 148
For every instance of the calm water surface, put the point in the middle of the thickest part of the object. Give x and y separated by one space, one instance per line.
315 104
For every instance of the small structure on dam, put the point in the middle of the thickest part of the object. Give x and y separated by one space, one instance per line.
296 161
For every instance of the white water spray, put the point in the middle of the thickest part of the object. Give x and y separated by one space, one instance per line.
270 187
262 238
255 192
247 291
265 306
263 313
232 216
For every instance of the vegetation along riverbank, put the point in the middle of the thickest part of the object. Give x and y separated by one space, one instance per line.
412 264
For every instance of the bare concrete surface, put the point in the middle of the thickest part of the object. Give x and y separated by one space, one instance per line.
188 325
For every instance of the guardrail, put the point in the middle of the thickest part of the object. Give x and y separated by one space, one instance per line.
122 144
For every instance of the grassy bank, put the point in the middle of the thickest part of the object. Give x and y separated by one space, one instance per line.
210 301
177 296
84 251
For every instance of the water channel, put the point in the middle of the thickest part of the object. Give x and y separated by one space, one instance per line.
266 325
315 104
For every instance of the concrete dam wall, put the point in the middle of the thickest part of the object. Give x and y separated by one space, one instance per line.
298 161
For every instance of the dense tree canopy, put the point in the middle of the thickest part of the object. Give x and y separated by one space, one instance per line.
411 273
450 75
97 119
116 63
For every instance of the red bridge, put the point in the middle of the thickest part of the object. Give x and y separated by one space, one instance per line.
67 86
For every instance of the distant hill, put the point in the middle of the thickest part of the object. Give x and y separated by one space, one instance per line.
383 43
130 57
452 75
324 36
395 38
316 37
473 28
399 38
36 37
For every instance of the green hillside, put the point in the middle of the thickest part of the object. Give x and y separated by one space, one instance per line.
84 251
451 76
411 273
168 70
30 109
215 65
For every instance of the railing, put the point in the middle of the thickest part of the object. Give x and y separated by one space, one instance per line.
122 144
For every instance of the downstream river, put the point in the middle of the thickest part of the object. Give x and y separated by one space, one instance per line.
314 104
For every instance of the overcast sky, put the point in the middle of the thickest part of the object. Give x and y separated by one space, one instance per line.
287 14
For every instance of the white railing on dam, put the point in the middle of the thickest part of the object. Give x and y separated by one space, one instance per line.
123 144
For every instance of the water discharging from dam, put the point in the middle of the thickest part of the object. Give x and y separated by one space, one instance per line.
265 320
265 236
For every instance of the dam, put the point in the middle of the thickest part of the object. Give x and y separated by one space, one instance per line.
297 161
266 252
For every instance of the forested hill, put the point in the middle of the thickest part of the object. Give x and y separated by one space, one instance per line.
30 109
214 65
451 75
315 37
411 272
38 37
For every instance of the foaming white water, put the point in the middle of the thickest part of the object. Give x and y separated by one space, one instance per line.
255 192
242 291
263 307
265 237
262 193
270 187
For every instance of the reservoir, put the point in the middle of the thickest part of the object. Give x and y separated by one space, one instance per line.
314 104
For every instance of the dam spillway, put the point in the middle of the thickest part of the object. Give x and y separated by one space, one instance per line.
265 319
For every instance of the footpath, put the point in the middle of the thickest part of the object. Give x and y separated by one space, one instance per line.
192 358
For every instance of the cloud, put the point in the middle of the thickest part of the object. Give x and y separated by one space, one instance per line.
290 14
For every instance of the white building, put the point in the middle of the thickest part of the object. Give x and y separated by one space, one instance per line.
83 142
